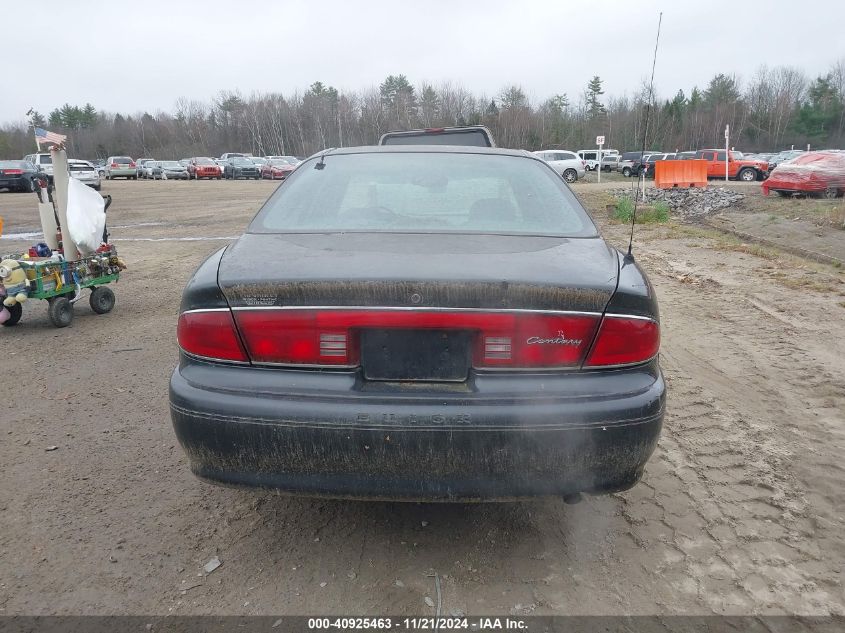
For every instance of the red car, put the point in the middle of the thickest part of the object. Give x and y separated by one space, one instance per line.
202 167
276 169
820 173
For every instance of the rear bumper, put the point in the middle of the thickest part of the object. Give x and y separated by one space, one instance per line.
17 182
497 437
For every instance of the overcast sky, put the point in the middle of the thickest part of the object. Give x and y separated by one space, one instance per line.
132 56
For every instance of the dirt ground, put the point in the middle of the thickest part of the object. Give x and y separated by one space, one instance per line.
741 511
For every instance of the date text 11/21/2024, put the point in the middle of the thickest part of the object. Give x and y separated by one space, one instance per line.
418 624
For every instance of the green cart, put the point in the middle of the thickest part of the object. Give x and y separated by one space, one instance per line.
61 283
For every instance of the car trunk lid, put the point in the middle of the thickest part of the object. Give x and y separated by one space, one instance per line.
417 307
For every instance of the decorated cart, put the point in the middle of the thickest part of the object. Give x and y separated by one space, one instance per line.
60 269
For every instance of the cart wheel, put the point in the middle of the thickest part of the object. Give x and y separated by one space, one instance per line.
60 311
101 299
16 311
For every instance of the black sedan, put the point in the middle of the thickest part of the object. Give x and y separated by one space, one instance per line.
19 175
239 167
420 323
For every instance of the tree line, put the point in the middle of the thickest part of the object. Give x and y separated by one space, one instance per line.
776 108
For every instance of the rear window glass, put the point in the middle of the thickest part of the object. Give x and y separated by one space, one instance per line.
79 167
121 160
425 192
45 159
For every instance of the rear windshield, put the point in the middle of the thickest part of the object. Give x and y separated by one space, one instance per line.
45 159
80 167
425 192
121 160
471 138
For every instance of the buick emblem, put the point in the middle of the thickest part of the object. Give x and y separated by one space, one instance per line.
560 339
416 298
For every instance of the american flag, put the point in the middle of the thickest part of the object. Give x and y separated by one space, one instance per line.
43 136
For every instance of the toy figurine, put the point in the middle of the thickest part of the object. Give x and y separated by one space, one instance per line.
14 279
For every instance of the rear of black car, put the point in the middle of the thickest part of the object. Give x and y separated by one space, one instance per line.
418 323
18 175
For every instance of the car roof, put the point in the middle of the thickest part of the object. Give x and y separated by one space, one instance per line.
426 149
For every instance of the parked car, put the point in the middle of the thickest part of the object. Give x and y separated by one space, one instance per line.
783 157
591 156
638 165
626 161
240 167
221 163
653 159
145 167
293 160
84 172
140 165
100 166
43 162
471 135
121 167
609 163
19 175
229 155
276 169
184 162
567 164
418 322
812 173
171 169
259 162
204 167
738 168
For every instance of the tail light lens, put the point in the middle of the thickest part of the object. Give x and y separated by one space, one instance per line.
501 339
210 334
113 165
13 172
131 164
624 341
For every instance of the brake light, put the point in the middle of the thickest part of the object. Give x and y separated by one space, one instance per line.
13 172
132 164
435 130
210 334
113 165
329 337
624 341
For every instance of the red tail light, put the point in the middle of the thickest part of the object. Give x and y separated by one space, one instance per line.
114 165
132 164
13 172
210 334
624 341
501 339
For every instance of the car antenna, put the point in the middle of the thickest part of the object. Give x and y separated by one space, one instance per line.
629 256
321 164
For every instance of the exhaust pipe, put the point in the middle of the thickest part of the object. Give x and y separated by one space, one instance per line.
572 499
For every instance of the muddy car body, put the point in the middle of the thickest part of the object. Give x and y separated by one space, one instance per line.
420 322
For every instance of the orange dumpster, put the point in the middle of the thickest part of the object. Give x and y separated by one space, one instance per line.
680 173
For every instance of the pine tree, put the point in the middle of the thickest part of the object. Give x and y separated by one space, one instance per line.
594 90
